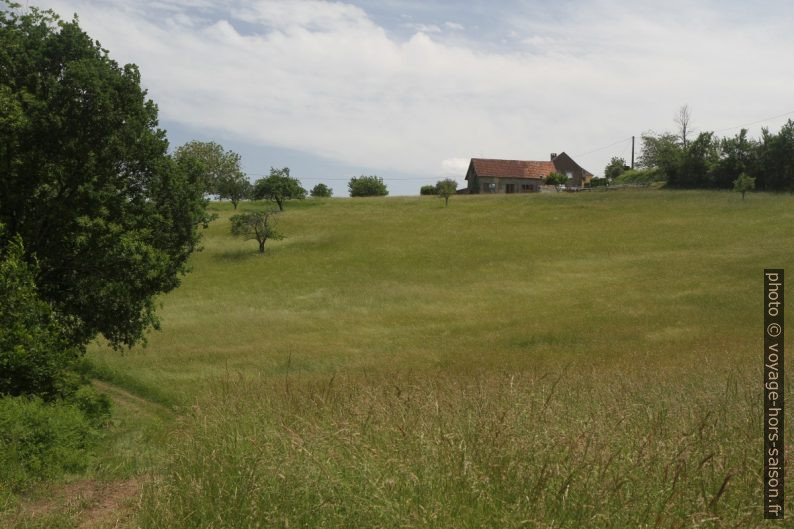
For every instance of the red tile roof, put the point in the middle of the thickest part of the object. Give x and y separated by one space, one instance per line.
512 168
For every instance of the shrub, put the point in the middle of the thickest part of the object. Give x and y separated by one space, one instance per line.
34 354
427 190
555 179
94 405
367 186
41 441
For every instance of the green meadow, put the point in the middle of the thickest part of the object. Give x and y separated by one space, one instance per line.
548 360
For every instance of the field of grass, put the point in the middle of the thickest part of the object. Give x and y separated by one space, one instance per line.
561 360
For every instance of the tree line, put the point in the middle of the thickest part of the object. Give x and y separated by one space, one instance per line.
707 161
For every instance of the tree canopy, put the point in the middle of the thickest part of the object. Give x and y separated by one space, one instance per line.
86 184
279 187
217 166
322 190
446 188
367 186
257 225
614 168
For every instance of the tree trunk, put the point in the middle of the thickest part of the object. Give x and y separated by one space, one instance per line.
280 202
262 246
446 201
743 192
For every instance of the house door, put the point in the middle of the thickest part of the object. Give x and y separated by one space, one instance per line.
510 188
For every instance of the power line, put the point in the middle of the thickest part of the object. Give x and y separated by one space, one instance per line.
756 122
602 148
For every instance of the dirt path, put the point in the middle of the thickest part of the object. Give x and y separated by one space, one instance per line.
96 502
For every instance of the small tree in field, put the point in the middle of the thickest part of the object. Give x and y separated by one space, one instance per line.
257 225
427 190
235 187
322 191
743 184
367 186
445 189
279 187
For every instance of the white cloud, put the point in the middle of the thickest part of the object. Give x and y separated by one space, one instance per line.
324 78
454 26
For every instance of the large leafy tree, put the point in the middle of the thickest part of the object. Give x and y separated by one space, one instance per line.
219 168
86 184
279 187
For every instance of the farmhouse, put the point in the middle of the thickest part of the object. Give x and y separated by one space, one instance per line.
521 176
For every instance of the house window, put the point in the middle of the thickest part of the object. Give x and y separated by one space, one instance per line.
488 187
526 188
510 188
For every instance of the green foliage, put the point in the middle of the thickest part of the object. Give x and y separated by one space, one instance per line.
279 187
427 190
235 187
322 191
661 151
216 165
743 184
614 168
711 162
696 163
555 179
257 225
86 182
41 441
367 186
95 406
446 188
639 176
34 350
775 154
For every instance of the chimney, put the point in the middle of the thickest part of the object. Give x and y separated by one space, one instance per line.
553 156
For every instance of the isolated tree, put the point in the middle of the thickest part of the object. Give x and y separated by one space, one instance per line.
279 187
235 187
555 179
217 166
86 183
684 119
427 190
367 186
257 225
614 168
322 191
743 184
445 189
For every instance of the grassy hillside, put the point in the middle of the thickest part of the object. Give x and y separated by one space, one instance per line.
552 360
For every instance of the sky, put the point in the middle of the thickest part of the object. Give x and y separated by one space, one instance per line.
411 90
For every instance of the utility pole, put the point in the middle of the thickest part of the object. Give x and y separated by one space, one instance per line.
632 152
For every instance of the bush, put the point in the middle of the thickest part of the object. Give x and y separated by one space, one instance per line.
555 179
94 405
41 441
427 190
367 186
34 354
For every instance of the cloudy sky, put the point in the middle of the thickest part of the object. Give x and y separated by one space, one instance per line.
410 90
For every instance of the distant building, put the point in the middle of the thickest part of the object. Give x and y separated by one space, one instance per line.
487 175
